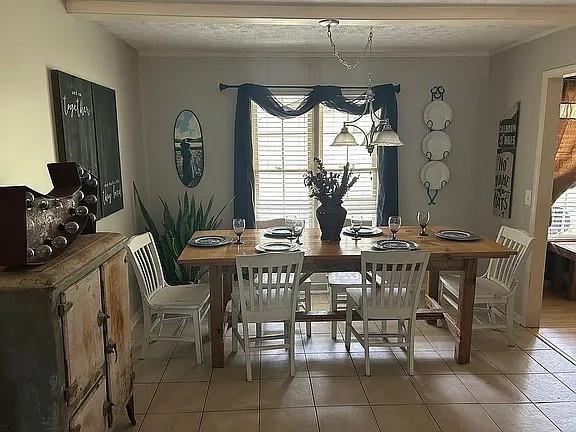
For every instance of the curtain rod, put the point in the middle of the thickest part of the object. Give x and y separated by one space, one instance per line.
223 86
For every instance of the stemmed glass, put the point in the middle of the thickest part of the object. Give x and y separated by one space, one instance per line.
298 228
423 218
239 225
356 225
290 222
394 224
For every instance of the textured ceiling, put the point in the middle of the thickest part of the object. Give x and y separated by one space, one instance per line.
395 38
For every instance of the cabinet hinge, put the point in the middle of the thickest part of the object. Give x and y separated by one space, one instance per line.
70 392
64 307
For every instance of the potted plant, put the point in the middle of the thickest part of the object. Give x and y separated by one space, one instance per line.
330 188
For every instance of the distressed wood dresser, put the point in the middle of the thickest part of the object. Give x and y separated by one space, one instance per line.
65 361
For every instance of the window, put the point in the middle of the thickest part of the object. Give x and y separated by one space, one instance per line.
564 216
285 148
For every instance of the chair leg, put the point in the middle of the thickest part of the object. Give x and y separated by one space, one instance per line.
510 320
234 328
366 346
491 314
258 329
246 337
146 336
334 308
348 328
291 342
197 335
411 347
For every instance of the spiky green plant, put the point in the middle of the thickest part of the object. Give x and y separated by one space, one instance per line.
175 232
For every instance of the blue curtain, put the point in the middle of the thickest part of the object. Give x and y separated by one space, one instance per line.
332 97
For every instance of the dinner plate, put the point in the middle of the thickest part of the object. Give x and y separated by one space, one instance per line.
437 115
457 235
436 145
434 174
279 232
395 245
277 247
364 231
209 241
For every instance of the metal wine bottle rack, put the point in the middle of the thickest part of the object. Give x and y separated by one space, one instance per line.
37 227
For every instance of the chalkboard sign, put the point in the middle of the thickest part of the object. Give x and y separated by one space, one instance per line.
505 158
87 133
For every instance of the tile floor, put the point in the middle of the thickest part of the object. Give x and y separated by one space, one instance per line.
530 387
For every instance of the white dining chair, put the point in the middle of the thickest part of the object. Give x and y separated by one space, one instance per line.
163 303
261 302
395 299
305 294
495 287
338 282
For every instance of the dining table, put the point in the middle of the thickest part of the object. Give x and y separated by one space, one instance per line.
330 256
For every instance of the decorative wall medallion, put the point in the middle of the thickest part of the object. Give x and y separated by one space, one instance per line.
188 148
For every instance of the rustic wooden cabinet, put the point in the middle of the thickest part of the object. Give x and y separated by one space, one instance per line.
65 362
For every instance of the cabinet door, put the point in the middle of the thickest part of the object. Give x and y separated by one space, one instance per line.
90 417
83 347
117 330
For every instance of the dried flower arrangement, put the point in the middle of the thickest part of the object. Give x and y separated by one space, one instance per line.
328 187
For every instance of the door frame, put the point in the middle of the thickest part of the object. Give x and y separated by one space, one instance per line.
550 97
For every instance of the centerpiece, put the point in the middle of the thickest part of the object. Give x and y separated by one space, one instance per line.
330 188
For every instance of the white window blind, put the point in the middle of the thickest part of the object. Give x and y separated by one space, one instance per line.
564 216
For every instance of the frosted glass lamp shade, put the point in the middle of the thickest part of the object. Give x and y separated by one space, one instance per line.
344 138
387 137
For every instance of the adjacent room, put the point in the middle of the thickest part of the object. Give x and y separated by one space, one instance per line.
269 216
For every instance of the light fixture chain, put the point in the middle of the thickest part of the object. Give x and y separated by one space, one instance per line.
367 48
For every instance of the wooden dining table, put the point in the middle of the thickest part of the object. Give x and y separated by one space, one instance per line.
328 256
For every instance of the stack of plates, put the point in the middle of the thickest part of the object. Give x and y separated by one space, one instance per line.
364 231
209 241
395 245
278 232
277 246
457 235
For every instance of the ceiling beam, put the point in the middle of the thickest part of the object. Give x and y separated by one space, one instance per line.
305 14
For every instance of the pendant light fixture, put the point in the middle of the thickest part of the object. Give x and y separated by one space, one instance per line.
381 132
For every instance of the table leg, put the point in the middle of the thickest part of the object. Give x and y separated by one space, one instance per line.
466 312
572 286
433 282
217 316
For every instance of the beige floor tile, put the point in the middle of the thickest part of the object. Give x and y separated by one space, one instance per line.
180 422
277 366
323 343
514 362
288 420
528 341
179 397
519 418
186 370
543 388
330 364
346 419
188 349
390 390
561 414
492 389
569 379
479 364
441 389
332 391
491 340
553 361
427 329
233 395
235 367
462 418
322 328
122 424
425 362
404 418
149 370
286 393
143 394
160 349
441 343
420 344
298 347
226 421
373 326
381 364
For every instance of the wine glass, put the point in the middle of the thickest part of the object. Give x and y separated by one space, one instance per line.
298 228
356 225
239 225
394 224
290 222
423 218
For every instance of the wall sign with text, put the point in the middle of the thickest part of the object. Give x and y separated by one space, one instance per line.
505 157
87 133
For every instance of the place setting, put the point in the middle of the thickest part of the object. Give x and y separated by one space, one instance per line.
357 230
291 233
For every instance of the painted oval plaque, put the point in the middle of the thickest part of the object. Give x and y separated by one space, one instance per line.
188 148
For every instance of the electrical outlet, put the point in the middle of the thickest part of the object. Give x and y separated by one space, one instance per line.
527 197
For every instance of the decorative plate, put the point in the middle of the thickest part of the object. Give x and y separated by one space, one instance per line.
436 145
364 231
395 245
209 241
434 174
437 115
278 232
277 247
457 235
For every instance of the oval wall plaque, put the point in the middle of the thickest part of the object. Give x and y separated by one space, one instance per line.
188 148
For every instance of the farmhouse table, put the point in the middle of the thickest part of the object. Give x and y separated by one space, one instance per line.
326 256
